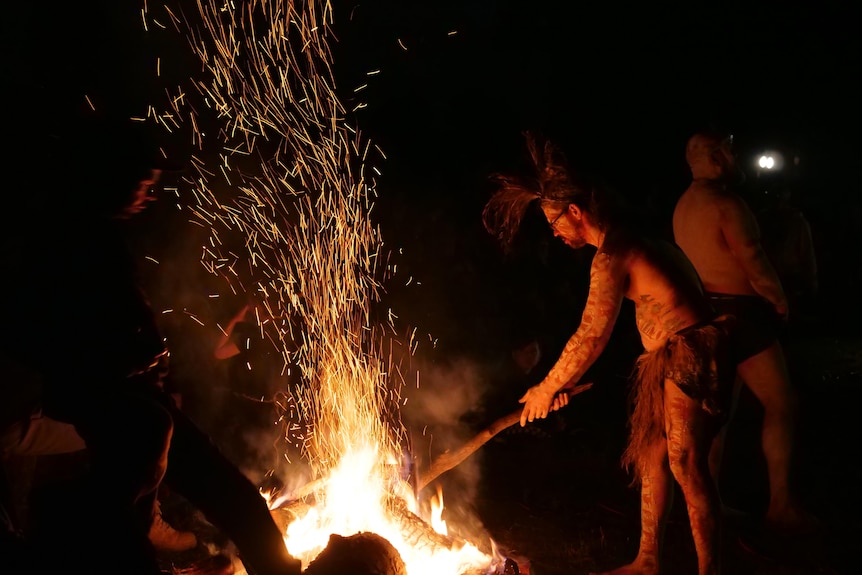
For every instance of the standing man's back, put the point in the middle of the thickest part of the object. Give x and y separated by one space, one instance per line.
718 232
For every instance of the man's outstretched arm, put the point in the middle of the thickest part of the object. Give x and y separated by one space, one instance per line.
607 288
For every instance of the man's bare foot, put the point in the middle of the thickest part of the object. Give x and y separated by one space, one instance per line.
634 568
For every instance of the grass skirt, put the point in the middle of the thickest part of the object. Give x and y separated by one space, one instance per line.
698 359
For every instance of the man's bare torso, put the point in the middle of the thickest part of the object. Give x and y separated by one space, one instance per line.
660 281
698 229
664 288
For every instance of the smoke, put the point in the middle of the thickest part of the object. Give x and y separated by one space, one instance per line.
193 306
446 392
439 414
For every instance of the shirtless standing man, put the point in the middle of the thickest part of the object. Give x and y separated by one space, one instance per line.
719 233
685 376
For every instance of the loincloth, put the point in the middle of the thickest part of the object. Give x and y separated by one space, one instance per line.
698 360
756 321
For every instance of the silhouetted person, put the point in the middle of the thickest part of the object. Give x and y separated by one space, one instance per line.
28 436
82 322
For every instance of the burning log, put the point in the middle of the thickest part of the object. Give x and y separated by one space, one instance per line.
418 532
450 459
305 490
421 535
361 554
287 514
366 553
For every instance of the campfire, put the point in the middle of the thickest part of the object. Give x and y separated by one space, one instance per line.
387 506
358 498
294 227
315 527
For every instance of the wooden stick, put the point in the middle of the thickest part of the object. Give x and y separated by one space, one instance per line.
303 491
450 459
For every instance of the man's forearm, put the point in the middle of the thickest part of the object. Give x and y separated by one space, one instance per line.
597 321
765 281
579 353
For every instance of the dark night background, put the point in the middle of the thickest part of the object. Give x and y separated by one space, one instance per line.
620 85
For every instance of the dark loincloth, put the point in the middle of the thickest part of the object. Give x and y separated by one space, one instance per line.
698 360
757 325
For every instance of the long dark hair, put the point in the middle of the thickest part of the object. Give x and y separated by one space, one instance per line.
553 183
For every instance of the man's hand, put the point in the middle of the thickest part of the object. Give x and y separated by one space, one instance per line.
561 398
538 401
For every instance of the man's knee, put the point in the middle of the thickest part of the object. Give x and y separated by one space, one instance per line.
681 460
687 459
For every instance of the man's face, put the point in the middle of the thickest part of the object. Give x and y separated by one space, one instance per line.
141 195
566 226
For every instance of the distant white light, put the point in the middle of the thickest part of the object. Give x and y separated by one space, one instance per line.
766 162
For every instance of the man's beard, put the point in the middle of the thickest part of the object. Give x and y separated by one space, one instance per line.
579 238
575 243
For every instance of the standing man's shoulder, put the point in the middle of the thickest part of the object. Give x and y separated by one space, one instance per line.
716 195
694 203
704 189
731 203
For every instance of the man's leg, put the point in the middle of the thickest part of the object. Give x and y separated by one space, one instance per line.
767 377
690 432
656 500
198 471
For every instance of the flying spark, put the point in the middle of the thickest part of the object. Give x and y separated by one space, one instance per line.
286 187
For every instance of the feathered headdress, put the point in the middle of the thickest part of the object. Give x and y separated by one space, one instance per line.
550 181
